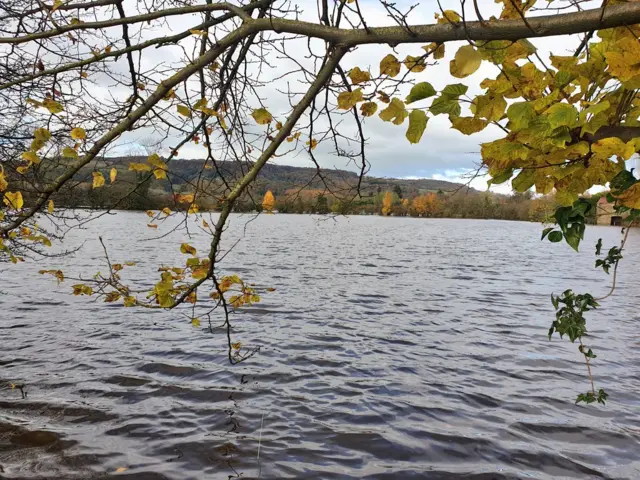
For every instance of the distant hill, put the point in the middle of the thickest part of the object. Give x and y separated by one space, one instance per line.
282 178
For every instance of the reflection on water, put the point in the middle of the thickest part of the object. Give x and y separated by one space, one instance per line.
392 348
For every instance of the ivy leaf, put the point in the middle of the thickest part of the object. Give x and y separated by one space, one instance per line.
262 116
389 65
555 236
417 126
420 91
546 232
466 62
357 76
348 100
98 179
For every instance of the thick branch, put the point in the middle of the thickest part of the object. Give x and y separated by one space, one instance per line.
543 26
324 75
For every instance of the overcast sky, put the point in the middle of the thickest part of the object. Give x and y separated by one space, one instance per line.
443 153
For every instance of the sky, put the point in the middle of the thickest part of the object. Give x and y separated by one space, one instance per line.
443 153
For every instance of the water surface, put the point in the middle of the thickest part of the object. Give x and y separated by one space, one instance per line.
392 348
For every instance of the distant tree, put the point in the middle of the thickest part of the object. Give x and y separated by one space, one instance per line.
387 202
322 205
268 202
398 191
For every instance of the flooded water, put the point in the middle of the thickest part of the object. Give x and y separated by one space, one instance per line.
392 348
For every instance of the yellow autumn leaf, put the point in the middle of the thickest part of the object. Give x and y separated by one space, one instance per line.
185 198
200 33
50 206
466 62
417 126
193 208
195 322
155 160
53 106
313 143
13 200
186 248
204 223
98 179
348 100
78 134
113 173
184 111
449 16
140 167
608 147
395 112
368 109
438 50
3 180
121 469
414 64
166 211
31 157
389 65
56 5
69 152
261 116
200 104
152 225
468 125
41 137
358 76
160 174
236 345
631 196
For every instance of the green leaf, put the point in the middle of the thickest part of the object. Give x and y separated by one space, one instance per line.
562 114
445 105
524 180
501 177
420 91
546 231
454 90
555 236
520 115
417 125
262 116
573 241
